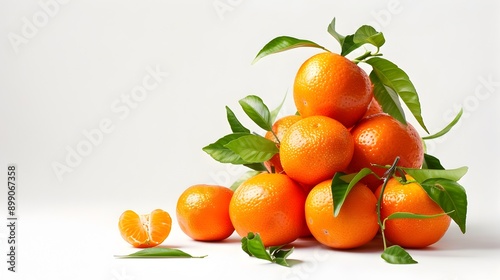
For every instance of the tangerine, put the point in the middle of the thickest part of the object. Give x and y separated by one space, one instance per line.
356 223
378 140
331 85
203 212
314 148
278 130
410 197
373 109
144 231
270 204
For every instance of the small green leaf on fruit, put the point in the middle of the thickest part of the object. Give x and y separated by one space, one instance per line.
447 128
450 196
431 162
342 185
347 44
395 78
397 255
387 98
368 35
253 148
234 123
255 108
159 252
221 153
283 43
420 175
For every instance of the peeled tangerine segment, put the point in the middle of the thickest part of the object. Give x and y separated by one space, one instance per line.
143 231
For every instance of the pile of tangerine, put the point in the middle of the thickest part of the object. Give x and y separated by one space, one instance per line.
339 127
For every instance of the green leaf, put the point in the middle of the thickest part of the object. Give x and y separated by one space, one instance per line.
397 255
421 175
255 108
159 252
235 124
447 128
331 29
387 98
255 247
280 256
408 215
431 162
275 112
257 166
395 78
247 175
252 244
342 185
253 148
283 43
368 35
221 153
347 43
450 196
244 243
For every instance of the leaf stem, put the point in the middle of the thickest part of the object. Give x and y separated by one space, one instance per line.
366 55
276 137
387 175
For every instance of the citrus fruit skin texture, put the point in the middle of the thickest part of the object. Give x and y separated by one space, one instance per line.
379 139
314 148
269 204
145 231
356 223
411 197
373 109
279 128
203 212
331 85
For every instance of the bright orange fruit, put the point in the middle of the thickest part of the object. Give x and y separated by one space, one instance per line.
331 85
314 148
144 231
356 223
279 128
270 204
379 139
411 197
203 212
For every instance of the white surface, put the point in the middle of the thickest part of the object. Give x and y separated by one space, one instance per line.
69 76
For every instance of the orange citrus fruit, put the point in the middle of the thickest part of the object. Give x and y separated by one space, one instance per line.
356 223
373 109
331 85
144 231
278 130
411 197
379 139
270 204
203 212
314 148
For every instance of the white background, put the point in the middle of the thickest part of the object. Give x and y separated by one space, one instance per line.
65 67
